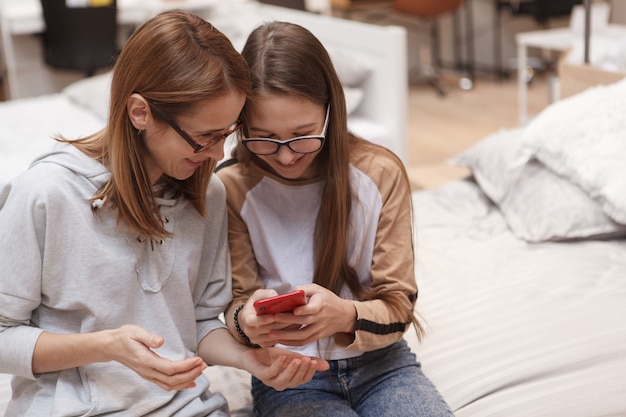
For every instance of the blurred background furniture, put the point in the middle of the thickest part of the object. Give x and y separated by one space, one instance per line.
290 4
429 11
561 40
541 11
345 8
80 38
21 19
314 6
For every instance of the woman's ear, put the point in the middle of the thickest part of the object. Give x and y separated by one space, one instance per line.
138 111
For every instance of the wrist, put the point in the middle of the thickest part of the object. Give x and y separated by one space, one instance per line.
351 316
105 347
240 331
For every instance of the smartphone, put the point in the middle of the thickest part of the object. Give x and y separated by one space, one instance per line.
281 303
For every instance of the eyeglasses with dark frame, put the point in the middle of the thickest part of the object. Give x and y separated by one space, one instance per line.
199 147
301 144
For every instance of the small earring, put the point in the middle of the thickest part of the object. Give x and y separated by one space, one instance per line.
139 132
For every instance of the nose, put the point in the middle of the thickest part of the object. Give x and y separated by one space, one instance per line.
284 155
216 151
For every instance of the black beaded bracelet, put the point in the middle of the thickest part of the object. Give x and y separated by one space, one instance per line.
236 320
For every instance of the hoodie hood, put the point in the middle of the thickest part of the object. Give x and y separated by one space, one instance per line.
68 156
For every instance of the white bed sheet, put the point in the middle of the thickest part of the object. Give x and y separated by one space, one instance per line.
517 329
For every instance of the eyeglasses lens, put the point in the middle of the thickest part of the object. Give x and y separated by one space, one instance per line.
268 147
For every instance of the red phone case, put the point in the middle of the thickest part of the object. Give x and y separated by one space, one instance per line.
280 303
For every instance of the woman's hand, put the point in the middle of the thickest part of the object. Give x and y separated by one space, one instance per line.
324 315
282 369
129 345
133 347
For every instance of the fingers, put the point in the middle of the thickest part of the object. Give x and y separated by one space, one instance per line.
134 348
261 294
178 375
310 289
282 369
156 341
140 335
153 341
257 328
321 365
289 373
304 371
299 336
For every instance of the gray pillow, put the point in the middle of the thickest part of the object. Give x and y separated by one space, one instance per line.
537 204
92 93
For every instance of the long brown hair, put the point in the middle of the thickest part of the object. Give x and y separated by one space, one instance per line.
174 61
286 58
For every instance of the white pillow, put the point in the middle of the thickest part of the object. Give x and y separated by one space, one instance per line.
537 204
354 97
583 138
92 93
353 68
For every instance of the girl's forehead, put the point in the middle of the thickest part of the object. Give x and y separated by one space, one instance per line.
269 105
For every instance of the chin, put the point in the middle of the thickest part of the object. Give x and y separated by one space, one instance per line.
290 175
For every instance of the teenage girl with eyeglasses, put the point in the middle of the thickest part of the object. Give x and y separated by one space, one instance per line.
114 252
313 207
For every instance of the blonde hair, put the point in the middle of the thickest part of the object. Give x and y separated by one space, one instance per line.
286 58
174 61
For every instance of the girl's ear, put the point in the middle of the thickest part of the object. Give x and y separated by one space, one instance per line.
138 111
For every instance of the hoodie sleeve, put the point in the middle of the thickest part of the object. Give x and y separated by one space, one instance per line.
215 292
22 226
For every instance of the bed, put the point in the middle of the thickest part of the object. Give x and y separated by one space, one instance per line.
522 266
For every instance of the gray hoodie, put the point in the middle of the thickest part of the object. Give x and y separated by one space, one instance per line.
68 268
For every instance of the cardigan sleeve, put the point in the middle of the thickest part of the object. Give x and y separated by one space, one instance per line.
245 277
378 323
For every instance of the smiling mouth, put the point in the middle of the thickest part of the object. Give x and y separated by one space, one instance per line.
195 163
290 163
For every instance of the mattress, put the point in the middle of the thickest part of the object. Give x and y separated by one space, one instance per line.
515 328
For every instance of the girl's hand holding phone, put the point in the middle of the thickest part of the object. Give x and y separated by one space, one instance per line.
258 326
325 314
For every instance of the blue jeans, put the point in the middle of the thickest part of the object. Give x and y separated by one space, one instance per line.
382 383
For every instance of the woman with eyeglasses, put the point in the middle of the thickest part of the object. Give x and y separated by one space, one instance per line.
313 207
114 252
